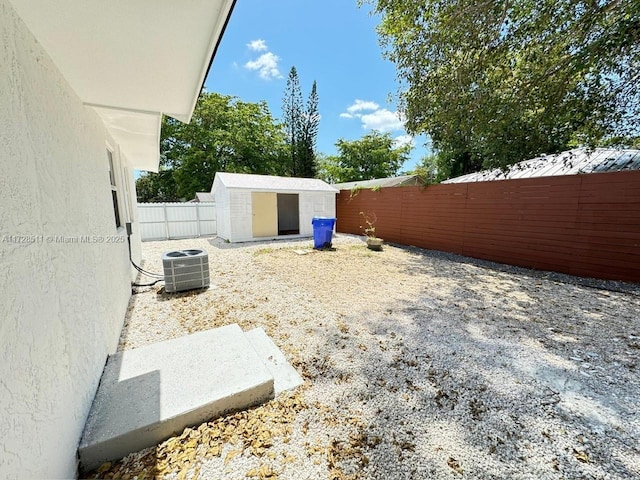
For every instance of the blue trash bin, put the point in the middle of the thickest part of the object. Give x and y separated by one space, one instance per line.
322 231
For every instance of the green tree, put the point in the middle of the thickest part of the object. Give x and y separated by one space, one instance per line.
621 142
292 111
329 168
309 135
225 135
373 156
496 82
428 169
301 125
157 187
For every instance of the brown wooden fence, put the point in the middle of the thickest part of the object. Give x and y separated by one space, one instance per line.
586 225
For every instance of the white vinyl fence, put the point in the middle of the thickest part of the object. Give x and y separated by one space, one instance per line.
166 221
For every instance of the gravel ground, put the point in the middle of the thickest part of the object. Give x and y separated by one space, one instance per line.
417 364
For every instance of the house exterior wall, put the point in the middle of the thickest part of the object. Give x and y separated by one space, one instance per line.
62 301
238 211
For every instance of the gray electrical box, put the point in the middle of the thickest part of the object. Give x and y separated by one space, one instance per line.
185 270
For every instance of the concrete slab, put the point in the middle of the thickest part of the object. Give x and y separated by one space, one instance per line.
285 376
148 394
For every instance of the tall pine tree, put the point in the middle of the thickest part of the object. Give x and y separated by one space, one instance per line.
302 127
292 111
307 145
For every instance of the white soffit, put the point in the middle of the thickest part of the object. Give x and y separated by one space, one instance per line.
149 56
138 135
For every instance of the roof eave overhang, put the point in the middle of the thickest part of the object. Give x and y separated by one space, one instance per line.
131 61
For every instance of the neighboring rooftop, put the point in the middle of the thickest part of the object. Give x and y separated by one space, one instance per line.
203 197
272 183
572 162
400 181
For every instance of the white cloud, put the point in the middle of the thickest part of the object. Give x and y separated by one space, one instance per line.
382 120
266 65
258 45
373 117
402 140
360 105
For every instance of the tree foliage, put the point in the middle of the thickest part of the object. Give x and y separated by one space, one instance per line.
494 82
157 187
292 111
226 135
309 135
301 125
373 156
427 169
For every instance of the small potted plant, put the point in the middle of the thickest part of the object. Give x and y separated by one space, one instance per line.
373 242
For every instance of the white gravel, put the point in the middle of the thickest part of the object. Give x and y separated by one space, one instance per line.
418 364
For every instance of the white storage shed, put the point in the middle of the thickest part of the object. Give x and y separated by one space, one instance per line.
261 207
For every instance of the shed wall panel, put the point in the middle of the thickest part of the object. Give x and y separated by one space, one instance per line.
221 196
240 210
315 204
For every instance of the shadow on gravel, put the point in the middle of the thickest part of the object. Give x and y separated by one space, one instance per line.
163 296
497 373
609 285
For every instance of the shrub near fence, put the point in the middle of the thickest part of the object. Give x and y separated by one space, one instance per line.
586 225
165 221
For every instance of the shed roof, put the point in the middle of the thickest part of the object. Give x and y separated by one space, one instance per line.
131 61
382 182
572 162
272 183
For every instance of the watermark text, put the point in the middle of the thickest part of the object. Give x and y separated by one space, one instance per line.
60 239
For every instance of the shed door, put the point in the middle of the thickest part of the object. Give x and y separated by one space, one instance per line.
265 214
288 214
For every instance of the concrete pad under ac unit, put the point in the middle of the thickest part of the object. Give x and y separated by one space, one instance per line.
150 393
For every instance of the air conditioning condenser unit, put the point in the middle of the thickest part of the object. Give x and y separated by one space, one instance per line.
185 270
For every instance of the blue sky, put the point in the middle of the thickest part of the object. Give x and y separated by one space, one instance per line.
332 42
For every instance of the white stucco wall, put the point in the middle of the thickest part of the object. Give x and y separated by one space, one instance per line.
62 305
